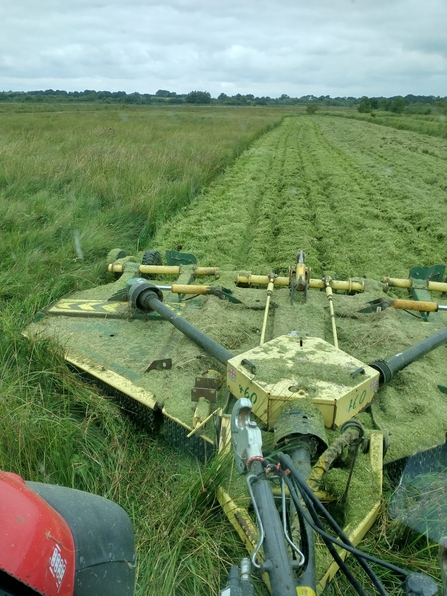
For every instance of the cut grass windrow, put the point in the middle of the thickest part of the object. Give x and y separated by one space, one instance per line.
358 199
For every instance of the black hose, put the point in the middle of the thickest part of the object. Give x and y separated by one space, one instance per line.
360 556
331 521
311 497
341 564
356 552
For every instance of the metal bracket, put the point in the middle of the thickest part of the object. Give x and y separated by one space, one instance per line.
376 305
173 257
206 386
162 364
209 394
245 435
433 273
224 294
120 296
420 277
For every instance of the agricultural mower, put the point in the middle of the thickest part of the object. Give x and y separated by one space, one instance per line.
252 365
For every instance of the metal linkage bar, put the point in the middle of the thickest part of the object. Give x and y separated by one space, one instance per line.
335 284
163 269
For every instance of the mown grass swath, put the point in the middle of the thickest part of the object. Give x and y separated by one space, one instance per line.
361 200
76 182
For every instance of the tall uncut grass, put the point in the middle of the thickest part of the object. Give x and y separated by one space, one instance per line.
110 176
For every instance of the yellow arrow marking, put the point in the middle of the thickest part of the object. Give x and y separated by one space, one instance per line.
86 305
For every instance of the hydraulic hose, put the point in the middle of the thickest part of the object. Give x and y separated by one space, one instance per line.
287 463
310 499
319 528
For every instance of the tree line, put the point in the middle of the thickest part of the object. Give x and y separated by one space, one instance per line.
411 104
398 104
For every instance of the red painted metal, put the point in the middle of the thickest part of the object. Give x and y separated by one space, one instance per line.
36 544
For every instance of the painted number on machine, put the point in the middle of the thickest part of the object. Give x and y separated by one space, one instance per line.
245 392
357 401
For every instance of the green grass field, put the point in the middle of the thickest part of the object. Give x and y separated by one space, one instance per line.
246 187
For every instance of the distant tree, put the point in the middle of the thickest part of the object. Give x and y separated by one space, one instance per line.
238 98
198 97
134 98
441 106
312 108
410 104
364 105
384 104
398 105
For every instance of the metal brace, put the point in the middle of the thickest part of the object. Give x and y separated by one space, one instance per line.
299 277
207 386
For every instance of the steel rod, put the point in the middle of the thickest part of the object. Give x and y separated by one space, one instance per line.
388 368
263 280
201 339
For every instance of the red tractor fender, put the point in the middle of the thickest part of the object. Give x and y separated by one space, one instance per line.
36 545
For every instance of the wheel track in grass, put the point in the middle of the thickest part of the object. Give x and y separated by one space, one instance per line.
252 215
308 185
223 223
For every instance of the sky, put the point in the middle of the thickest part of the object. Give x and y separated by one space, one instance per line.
339 48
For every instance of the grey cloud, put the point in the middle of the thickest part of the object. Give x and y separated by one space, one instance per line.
266 47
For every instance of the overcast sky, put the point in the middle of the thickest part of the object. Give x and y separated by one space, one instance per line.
264 47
